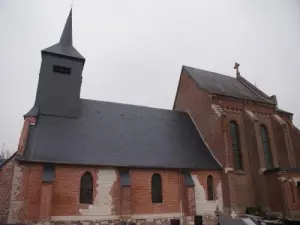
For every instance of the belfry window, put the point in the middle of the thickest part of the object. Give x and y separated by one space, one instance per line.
61 69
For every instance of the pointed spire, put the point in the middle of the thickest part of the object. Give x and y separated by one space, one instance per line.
65 45
66 38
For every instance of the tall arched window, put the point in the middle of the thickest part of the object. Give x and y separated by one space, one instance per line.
236 146
266 145
210 188
86 188
156 188
292 191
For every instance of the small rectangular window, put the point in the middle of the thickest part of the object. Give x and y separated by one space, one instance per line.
48 174
124 178
61 69
188 180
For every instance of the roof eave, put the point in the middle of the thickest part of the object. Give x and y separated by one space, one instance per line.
242 99
45 51
111 165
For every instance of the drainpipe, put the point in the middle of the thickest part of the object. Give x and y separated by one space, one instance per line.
180 196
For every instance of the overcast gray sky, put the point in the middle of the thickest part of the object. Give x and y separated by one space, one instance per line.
135 49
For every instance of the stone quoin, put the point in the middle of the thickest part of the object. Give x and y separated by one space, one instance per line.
225 144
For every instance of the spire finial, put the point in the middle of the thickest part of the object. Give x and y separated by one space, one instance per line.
66 38
236 67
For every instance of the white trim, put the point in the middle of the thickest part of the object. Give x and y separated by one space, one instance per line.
262 170
282 179
251 114
279 119
296 180
204 139
114 217
228 169
217 110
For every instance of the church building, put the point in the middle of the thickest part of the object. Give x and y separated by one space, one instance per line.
225 145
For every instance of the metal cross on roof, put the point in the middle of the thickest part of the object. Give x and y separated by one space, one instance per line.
236 67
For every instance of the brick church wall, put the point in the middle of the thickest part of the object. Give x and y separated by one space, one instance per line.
6 174
30 195
199 104
295 133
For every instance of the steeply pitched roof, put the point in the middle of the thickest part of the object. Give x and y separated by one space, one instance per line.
226 85
65 45
34 111
112 134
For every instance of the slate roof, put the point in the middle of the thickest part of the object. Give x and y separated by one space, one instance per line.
113 134
226 85
34 111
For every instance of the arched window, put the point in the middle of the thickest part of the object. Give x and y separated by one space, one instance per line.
156 187
266 145
292 191
236 146
210 188
86 188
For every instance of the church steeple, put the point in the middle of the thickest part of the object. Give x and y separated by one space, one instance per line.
66 38
58 92
65 45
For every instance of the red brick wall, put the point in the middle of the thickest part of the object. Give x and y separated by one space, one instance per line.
296 142
46 201
31 192
198 102
65 192
6 173
141 192
66 189
202 177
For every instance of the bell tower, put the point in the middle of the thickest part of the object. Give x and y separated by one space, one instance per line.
60 78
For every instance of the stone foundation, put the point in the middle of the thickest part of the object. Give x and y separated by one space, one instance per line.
186 220
160 221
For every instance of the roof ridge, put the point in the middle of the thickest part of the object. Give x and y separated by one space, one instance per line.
121 103
236 87
259 93
209 72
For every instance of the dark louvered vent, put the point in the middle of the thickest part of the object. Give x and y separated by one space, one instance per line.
61 69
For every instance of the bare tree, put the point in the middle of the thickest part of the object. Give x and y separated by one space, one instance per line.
4 153
7 154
